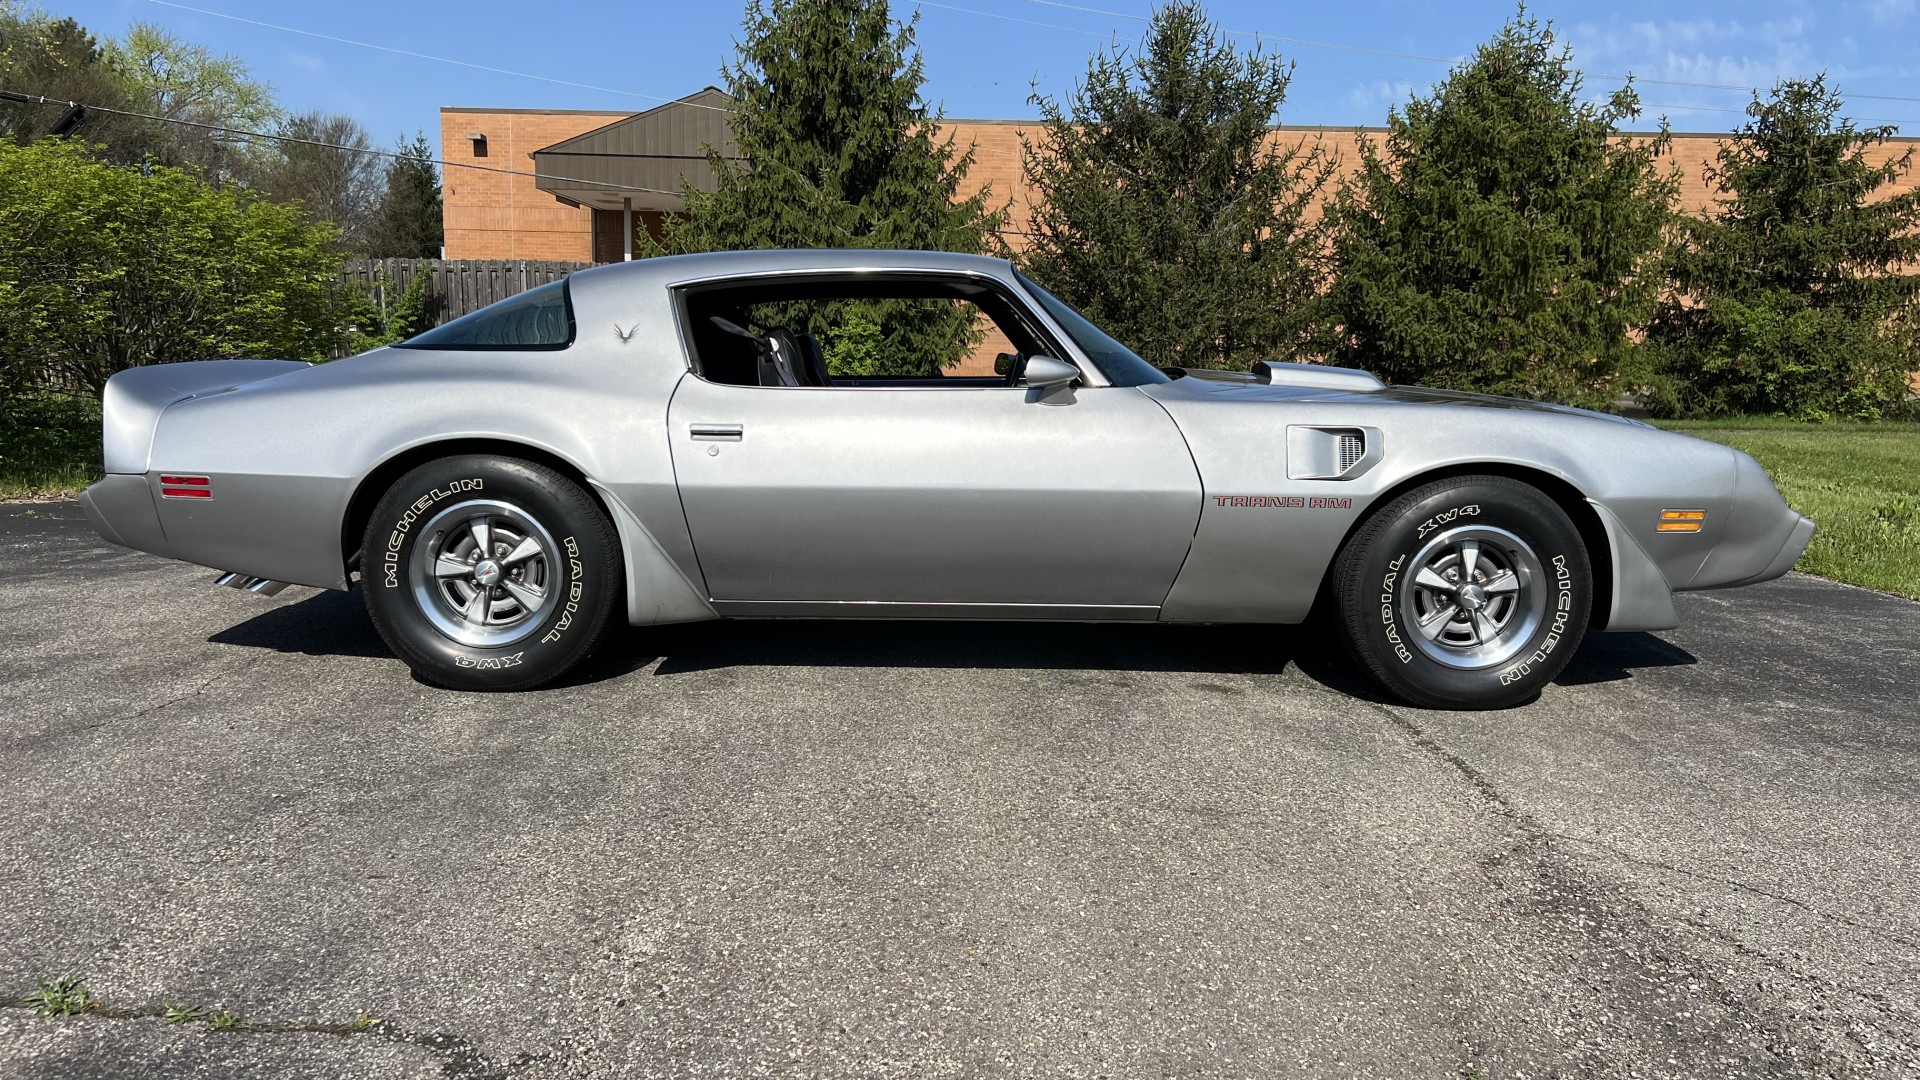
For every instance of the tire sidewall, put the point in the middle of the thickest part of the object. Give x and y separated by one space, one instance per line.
1377 580
585 569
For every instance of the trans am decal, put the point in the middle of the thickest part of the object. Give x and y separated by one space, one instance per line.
1284 502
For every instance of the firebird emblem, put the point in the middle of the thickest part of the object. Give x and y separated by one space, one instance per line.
624 335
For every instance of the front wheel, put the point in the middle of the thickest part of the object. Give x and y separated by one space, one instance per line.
1466 593
486 573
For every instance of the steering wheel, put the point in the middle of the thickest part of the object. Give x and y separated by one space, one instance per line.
1016 367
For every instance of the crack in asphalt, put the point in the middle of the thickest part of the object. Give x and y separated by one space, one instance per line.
1847 921
459 1058
1635 936
137 714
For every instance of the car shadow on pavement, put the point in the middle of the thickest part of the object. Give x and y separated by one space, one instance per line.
336 624
327 623
1612 657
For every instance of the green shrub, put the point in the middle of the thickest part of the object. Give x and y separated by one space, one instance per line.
105 267
49 442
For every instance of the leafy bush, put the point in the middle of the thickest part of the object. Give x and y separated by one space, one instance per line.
854 346
105 267
49 441
405 314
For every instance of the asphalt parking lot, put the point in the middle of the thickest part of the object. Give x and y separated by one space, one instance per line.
858 850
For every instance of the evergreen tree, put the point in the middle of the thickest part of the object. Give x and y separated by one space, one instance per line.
1797 295
1164 208
1501 238
840 152
408 222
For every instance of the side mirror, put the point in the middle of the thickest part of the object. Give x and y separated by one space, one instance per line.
1050 380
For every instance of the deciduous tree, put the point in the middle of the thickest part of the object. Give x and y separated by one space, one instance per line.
324 162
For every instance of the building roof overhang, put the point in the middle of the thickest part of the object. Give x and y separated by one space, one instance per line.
644 160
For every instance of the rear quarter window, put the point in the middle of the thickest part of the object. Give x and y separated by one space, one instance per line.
539 318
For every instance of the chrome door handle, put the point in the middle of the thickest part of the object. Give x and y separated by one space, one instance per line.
717 432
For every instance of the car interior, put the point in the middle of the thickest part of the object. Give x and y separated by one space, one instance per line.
779 332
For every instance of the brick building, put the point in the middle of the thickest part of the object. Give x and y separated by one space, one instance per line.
576 181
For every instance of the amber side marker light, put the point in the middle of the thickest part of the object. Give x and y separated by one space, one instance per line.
1682 521
186 487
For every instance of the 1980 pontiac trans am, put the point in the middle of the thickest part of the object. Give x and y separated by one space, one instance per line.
661 441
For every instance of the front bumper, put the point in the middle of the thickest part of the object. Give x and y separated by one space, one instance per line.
120 507
1790 551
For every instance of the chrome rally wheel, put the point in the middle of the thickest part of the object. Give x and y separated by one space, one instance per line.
1474 600
490 573
1465 593
483 572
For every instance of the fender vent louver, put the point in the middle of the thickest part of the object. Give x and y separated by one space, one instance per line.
1331 453
1353 447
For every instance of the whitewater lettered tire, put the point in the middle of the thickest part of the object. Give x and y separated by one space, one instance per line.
1466 593
489 573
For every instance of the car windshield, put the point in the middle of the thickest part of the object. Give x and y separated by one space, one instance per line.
1117 362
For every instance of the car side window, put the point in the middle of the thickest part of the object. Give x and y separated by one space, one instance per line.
933 333
540 318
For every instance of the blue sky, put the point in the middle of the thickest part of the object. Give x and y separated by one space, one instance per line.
1354 59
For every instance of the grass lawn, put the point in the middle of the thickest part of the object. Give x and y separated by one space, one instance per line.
43 485
1860 482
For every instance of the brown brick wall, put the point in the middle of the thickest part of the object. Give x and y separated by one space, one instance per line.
498 216
492 215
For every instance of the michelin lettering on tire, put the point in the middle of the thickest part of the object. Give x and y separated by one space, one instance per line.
1491 570
398 538
496 573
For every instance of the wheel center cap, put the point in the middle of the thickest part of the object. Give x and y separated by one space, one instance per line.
1473 597
487 572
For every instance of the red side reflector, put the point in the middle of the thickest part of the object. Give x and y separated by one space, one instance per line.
185 487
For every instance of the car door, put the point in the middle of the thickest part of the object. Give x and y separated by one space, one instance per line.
937 501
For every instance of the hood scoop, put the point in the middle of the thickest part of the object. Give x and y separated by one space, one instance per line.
1316 376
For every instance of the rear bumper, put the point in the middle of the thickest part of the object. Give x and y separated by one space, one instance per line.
120 508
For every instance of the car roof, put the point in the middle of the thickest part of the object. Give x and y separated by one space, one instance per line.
677 268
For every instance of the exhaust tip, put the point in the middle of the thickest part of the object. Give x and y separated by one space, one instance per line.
257 585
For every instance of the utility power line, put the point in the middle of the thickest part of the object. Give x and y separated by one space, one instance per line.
41 99
430 56
1650 107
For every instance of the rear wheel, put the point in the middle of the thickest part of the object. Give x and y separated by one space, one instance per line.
488 573
1467 593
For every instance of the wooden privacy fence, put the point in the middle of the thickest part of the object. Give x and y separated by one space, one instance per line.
457 286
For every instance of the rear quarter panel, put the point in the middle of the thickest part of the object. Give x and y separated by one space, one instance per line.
286 456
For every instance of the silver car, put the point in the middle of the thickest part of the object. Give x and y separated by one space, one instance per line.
673 439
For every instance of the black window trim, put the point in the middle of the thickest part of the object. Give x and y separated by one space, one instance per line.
1050 335
566 300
